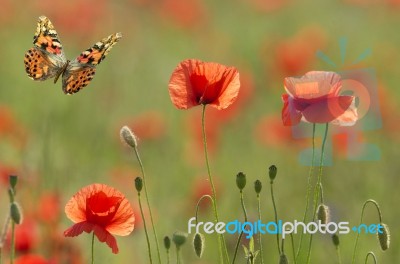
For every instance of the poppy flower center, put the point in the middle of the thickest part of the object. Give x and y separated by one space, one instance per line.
207 86
101 209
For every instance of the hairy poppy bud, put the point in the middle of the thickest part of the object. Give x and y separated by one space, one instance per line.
16 213
167 242
335 240
128 136
198 244
240 180
384 237
323 213
257 186
139 184
272 172
179 238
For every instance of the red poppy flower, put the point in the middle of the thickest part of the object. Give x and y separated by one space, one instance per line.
49 208
31 259
103 210
194 82
315 98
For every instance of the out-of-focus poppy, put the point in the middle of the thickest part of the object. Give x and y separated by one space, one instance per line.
194 82
26 235
270 132
315 98
187 14
31 259
49 208
149 125
103 210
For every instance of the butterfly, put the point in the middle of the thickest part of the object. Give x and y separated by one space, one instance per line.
46 58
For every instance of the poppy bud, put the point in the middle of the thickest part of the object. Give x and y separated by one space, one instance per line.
128 136
139 184
384 237
335 240
179 238
13 179
272 172
240 180
283 259
198 244
323 213
167 242
257 186
16 213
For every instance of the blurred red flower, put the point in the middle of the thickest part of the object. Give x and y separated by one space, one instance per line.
103 210
194 82
294 55
186 13
49 208
315 98
31 259
201 186
149 125
270 132
5 172
26 235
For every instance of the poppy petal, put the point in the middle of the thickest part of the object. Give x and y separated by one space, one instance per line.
105 236
328 109
290 116
180 87
78 228
124 220
349 117
313 84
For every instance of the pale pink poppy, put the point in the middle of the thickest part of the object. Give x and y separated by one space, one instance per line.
315 98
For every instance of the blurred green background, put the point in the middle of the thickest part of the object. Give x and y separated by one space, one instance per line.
58 144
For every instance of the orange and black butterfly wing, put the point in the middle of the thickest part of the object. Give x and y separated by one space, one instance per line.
80 72
46 58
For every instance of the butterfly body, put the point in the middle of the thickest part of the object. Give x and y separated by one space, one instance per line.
46 58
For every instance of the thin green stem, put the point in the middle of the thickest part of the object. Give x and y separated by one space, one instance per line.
4 234
167 256
198 204
361 220
148 203
317 188
259 235
93 248
276 214
293 249
373 257
145 229
221 239
12 253
178 255
338 255
241 233
309 188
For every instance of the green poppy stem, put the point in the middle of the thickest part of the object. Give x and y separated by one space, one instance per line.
241 233
145 228
318 187
275 214
259 235
309 188
148 203
93 248
361 220
221 239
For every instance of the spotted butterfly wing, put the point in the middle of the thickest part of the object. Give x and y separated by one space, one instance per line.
46 58
80 71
